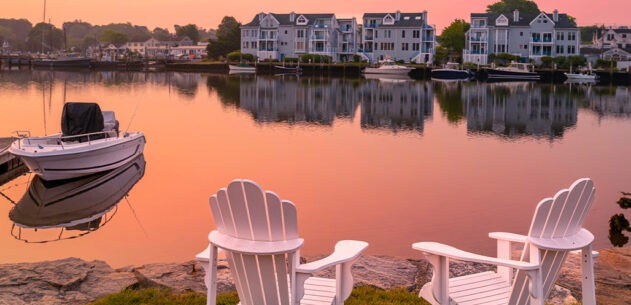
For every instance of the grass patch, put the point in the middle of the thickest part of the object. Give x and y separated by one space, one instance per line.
158 296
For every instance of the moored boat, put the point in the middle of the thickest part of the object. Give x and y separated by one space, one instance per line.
451 71
388 66
63 61
242 68
514 71
286 69
90 142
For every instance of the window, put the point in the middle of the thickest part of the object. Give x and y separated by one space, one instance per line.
547 37
285 32
403 34
300 45
404 46
560 36
571 36
387 33
415 46
521 33
300 33
416 34
253 44
559 49
571 49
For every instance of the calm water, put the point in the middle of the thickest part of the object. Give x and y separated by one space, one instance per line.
390 162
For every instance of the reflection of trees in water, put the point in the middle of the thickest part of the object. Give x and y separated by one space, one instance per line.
185 83
618 223
227 88
449 97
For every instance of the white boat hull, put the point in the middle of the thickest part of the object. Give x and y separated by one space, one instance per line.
582 77
391 71
52 161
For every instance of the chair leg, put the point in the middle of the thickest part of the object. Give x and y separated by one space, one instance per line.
588 285
208 259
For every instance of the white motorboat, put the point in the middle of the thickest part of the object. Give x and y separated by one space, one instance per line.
388 66
514 71
584 76
89 143
81 204
242 68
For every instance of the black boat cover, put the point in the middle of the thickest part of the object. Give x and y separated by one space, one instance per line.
79 118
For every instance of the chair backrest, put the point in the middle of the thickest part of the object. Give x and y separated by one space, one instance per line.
557 218
243 210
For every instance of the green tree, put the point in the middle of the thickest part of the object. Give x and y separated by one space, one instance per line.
453 38
228 38
189 30
114 37
441 55
161 34
508 6
44 37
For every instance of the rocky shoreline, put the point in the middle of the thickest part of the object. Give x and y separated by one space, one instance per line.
75 281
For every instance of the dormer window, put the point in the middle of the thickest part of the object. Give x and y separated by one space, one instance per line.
406 18
501 21
388 19
302 20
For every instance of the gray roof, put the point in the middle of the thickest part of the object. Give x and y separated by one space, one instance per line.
283 19
526 18
402 22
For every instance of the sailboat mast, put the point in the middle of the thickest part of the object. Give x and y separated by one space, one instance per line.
43 26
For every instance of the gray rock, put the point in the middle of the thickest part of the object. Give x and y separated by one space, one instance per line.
66 281
188 276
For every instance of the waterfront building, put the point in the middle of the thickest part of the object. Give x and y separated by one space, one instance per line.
271 36
530 36
613 38
398 36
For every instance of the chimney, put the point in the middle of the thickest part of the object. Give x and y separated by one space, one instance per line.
424 16
516 16
398 16
555 15
292 17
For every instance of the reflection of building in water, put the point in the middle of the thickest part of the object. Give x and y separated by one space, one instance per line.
610 101
396 104
277 99
518 109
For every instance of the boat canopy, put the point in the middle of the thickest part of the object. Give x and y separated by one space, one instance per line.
80 118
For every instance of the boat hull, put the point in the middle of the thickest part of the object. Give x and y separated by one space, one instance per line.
241 69
450 74
397 71
62 63
580 77
496 74
69 160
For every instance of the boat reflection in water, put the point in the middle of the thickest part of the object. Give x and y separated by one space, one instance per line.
65 209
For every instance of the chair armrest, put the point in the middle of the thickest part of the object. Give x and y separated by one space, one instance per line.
451 252
247 246
345 250
512 237
204 255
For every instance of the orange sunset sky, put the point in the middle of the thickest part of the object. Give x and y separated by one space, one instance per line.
208 14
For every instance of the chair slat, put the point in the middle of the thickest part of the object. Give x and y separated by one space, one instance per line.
254 197
240 214
586 200
226 212
539 220
238 271
555 214
290 219
282 275
275 214
269 279
255 284
214 207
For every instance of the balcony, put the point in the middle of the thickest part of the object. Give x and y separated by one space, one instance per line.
477 39
428 38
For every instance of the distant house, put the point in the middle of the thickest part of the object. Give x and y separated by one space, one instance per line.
529 36
277 36
617 54
398 36
613 38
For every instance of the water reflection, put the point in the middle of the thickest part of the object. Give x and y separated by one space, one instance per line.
65 209
295 100
396 104
518 109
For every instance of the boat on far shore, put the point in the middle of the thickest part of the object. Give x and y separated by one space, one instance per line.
388 66
242 68
514 71
451 71
71 60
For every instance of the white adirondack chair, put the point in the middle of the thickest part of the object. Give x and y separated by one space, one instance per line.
259 235
555 230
